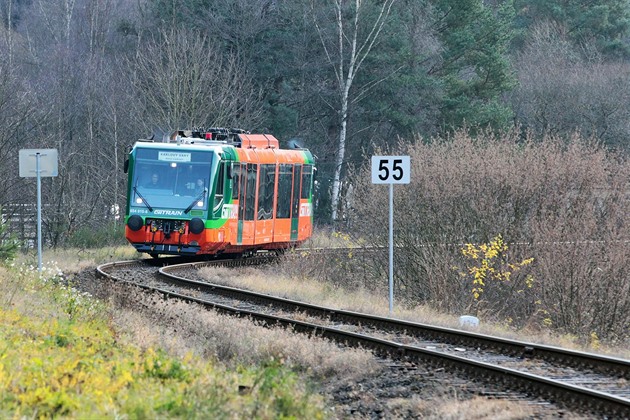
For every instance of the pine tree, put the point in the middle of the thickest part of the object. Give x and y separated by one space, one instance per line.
474 69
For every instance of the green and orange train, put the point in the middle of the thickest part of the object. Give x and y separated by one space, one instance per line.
217 191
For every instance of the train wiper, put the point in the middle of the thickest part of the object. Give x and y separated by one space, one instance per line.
199 197
144 200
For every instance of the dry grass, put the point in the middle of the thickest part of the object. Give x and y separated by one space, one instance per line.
278 281
149 321
303 289
477 408
326 238
76 260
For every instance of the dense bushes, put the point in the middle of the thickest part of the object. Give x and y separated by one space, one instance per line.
564 204
94 236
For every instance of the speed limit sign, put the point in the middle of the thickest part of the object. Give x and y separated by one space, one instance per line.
391 169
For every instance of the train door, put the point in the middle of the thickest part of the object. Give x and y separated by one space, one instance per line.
282 224
295 202
219 191
247 205
265 201
235 179
241 202
306 206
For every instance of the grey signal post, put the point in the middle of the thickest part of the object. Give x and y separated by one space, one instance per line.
38 163
391 170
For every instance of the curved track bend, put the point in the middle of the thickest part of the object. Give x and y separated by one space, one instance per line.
585 382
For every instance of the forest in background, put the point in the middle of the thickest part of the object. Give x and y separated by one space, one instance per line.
345 77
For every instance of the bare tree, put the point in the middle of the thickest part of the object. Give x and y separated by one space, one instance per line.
346 53
181 80
7 30
18 112
67 45
560 92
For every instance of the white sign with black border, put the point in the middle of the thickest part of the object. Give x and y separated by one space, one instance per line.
391 169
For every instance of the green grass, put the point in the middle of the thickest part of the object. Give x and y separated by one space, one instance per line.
60 357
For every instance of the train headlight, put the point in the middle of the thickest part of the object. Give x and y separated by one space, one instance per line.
196 225
135 222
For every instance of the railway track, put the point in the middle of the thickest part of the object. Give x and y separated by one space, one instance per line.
588 383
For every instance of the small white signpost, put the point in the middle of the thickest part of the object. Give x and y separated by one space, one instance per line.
391 170
38 163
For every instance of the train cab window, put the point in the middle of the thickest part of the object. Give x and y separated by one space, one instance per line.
285 181
265 191
307 178
250 192
169 179
220 183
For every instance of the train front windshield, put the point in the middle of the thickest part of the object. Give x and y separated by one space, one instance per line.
167 179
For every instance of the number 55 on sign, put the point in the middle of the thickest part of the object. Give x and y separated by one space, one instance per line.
391 169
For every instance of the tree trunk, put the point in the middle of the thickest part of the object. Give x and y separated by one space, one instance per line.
345 78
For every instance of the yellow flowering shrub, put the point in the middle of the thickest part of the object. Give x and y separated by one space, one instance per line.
488 267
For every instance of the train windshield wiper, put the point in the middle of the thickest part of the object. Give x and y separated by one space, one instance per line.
144 200
199 197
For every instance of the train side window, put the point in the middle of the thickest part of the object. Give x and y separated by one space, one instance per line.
285 179
250 192
220 185
265 191
295 198
236 179
307 181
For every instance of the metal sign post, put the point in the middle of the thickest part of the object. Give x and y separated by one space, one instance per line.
38 163
391 170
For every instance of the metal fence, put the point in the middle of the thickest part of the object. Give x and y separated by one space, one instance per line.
21 221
